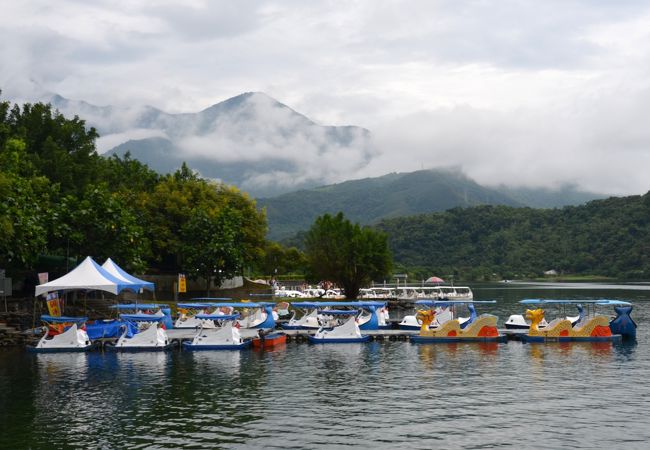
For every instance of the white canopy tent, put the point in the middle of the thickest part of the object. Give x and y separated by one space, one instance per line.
88 276
120 274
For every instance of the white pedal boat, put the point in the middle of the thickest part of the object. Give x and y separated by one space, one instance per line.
63 334
339 333
225 337
151 334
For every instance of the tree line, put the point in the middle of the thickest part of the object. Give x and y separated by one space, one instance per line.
608 237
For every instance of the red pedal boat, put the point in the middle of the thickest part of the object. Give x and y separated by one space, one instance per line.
267 341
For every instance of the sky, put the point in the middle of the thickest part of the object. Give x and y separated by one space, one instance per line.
534 93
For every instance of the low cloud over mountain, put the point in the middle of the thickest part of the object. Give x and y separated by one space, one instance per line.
250 140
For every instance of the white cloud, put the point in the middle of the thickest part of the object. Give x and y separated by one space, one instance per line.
535 93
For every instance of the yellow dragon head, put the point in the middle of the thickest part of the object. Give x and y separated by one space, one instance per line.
535 316
425 317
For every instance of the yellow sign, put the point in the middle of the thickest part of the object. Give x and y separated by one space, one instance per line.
182 284
54 307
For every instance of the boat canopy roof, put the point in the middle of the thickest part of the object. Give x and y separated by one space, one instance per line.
194 305
338 312
431 302
361 304
601 302
217 316
141 317
63 319
233 304
139 306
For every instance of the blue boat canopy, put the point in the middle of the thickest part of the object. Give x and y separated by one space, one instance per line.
139 306
443 303
194 305
360 304
236 305
338 312
217 316
63 319
141 317
543 301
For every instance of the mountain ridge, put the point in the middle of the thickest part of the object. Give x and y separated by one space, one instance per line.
370 200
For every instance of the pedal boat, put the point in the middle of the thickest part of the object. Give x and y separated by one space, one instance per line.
266 341
113 328
260 315
444 313
592 327
341 330
188 315
150 335
371 315
224 336
307 319
477 328
519 322
62 334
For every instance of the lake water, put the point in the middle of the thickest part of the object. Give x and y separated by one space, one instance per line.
374 395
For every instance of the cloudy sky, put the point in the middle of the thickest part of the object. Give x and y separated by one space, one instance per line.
534 93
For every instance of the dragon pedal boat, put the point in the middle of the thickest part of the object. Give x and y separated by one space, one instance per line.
477 328
590 328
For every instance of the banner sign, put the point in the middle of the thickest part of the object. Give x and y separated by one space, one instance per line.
54 304
43 277
182 283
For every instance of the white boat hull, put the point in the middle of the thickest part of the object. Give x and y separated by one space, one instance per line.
72 339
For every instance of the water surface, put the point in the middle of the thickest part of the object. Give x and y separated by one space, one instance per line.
379 394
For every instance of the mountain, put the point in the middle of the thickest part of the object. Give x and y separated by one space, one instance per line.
251 140
401 194
603 237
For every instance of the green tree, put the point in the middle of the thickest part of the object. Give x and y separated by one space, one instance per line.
102 224
212 247
346 253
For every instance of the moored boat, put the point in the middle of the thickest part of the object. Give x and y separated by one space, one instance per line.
269 340
225 336
476 328
339 330
150 335
63 334
592 327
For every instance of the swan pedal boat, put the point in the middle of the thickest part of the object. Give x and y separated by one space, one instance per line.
260 315
590 328
150 335
477 328
372 315
225 336
341 331
188 312
62 334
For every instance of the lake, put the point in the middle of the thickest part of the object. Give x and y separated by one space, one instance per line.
373 395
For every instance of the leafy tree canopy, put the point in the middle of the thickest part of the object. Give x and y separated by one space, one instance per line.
346 253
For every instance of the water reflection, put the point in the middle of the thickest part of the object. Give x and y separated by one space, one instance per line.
57 366
211 363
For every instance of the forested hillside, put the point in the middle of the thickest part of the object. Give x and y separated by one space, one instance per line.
604 237
402 194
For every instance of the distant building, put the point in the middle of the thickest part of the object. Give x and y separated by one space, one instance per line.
550 273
